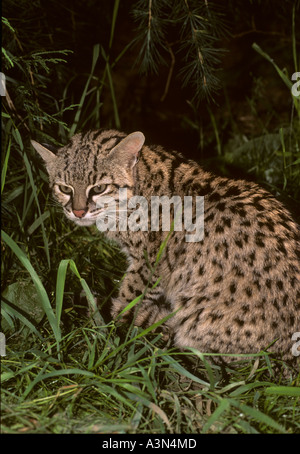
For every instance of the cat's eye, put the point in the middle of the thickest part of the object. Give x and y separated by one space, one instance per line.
98 189
65 189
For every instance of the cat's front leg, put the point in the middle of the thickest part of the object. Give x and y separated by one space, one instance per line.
130 288
148 309
151 307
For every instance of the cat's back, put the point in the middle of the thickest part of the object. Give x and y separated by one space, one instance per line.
244 276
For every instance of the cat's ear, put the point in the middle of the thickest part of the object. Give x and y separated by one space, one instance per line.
128 149
50 147
44 151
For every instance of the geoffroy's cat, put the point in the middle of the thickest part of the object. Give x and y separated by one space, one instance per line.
236 290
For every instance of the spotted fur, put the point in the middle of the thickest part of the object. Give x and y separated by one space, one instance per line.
236 291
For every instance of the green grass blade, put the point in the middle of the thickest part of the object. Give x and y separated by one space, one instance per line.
246 388
283 391
139 335
84 93
223 407
44 300
38 222
154 326
282 75
294 39
7 375
258 416
182 371
113 22
112 90
215 128
10 311
4 169
111 391
206 365
60 286
56 373
34 191
17 136
130 305
6 316
90 297
152 406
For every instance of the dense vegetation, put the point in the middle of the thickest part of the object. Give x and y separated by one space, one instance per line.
213 81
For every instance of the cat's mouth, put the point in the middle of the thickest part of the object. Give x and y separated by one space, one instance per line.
105 219
83 220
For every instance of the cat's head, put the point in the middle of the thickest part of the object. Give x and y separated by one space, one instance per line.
91 166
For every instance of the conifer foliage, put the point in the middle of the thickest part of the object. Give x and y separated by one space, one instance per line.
182 32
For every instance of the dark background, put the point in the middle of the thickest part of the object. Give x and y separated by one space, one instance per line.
251 98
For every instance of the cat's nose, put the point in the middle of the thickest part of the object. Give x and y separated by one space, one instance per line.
79 213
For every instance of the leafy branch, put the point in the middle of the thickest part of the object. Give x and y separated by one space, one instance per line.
198 26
